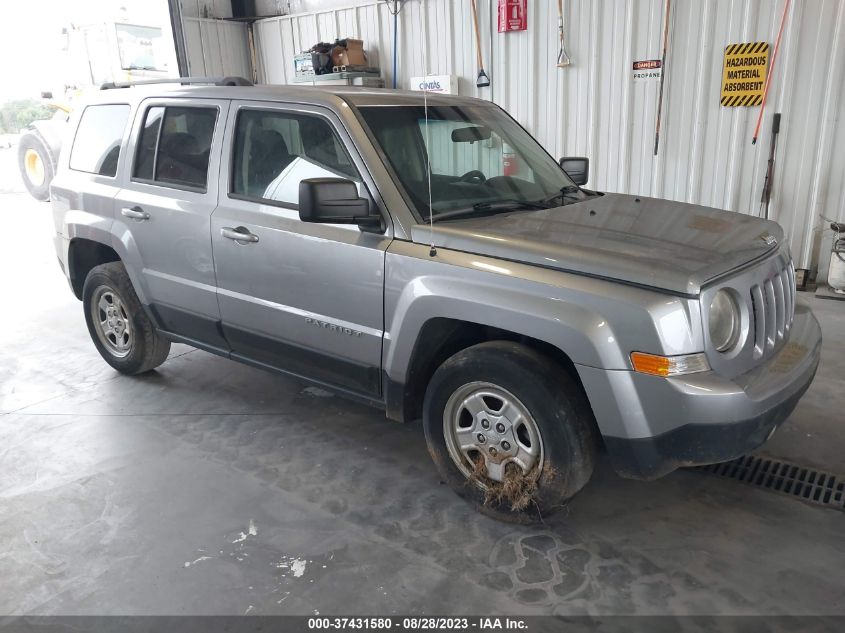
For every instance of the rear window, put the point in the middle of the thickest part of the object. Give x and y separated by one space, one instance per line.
174 146
96 147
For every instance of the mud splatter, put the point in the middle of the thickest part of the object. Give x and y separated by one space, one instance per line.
251 531
516 491
294 565
200 559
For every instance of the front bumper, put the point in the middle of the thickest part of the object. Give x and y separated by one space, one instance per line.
652 425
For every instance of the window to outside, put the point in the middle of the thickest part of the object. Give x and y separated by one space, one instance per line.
274 151
481 160
174 146
96 147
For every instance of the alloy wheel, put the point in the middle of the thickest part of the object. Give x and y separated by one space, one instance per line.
112 322
483 421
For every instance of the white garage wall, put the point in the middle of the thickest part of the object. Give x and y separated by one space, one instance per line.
595 109
216 48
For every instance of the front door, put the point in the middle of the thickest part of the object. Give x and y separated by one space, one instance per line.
303 298
164 211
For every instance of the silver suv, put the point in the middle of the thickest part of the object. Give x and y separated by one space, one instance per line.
425 255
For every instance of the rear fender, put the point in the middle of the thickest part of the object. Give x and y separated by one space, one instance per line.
94 227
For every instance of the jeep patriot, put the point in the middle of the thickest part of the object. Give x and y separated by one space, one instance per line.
424 254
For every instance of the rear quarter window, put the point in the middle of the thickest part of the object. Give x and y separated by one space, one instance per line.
96 146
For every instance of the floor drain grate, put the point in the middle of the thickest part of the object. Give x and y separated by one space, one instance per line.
808 484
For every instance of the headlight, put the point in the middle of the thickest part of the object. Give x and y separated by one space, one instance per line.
724 321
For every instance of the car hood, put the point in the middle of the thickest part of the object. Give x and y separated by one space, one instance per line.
645 241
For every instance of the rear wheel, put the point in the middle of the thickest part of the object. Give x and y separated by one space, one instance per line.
509 430
35 166
118 325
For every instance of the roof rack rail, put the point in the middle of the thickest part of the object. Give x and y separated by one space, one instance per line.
185 81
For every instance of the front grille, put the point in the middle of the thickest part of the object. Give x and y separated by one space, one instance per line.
773 305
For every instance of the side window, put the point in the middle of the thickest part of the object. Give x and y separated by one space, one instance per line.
96 146
174 146
274 151
146 152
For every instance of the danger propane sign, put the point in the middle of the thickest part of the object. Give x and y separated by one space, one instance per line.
744 74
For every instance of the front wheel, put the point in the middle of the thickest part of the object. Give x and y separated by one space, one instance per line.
121 330
509 430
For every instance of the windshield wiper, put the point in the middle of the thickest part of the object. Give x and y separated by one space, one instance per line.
569 191
502 204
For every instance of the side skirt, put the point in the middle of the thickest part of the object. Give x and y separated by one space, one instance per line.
273 354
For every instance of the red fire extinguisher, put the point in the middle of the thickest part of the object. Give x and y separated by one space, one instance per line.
510 163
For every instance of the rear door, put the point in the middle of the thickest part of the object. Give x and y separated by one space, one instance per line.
164 211
300 297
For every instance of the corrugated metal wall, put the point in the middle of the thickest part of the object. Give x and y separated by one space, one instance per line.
594 108
216 48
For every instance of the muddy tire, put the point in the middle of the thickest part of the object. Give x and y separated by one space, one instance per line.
118 325
509 430
35 165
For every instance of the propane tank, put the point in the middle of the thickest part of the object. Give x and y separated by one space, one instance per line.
836 273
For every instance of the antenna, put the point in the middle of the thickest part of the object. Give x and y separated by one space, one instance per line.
432 251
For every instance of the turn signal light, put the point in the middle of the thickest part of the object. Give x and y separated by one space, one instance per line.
669 365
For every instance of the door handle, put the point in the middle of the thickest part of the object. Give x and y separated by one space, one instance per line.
136 213
240 234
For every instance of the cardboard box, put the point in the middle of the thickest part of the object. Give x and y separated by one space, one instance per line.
352 55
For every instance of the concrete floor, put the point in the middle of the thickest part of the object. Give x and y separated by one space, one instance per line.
212 488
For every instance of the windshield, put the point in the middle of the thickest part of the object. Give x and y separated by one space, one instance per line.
141 47
481 160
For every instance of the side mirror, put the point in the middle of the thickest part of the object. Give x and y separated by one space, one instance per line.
577 168
334 201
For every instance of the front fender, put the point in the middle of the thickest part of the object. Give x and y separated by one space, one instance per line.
570 327
595 322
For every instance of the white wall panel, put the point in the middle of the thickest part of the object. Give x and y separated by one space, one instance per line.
206 8
594 108
216 48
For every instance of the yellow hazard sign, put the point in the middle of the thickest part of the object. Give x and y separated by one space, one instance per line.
744 74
